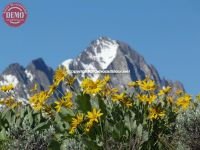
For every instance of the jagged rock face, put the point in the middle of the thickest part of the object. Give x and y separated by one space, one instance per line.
39 72
25 78
102 54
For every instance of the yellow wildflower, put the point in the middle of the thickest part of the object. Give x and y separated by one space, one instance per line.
156 113
72 130
68 104
109 91
6 88
106 79
75 122
128 103
132 84
147 85
147 98
94 115
123 98
170 100
118 97
52 89
92 87
65 101
179 92
68 96
184 101
39 99
59 105
60 75
151 98
89 125
70 80
164 91
142 97
62 103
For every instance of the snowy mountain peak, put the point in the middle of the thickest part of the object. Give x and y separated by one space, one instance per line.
97 56
103 51
103 41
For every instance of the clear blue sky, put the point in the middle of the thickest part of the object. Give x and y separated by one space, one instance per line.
166 33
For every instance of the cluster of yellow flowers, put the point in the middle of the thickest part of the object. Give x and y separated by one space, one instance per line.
156 113
102 88
65 101
60 75
164 91
147 98
91 117
9 101
148 95
76 121
39 100
184 101
123 98
94 87
147 84
145 92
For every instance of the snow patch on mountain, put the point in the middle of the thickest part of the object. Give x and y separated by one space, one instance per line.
88 66
105 52
66 63
9 79
93 76
29 75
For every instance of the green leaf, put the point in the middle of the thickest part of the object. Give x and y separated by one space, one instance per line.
134 125
54 145
91 144
83 102
116 133
103 107
42 126
66 114
30 118
145 136
3 135
139 131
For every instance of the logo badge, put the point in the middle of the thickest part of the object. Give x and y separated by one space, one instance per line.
15 14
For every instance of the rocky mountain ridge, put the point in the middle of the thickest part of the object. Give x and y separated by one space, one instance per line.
102 54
